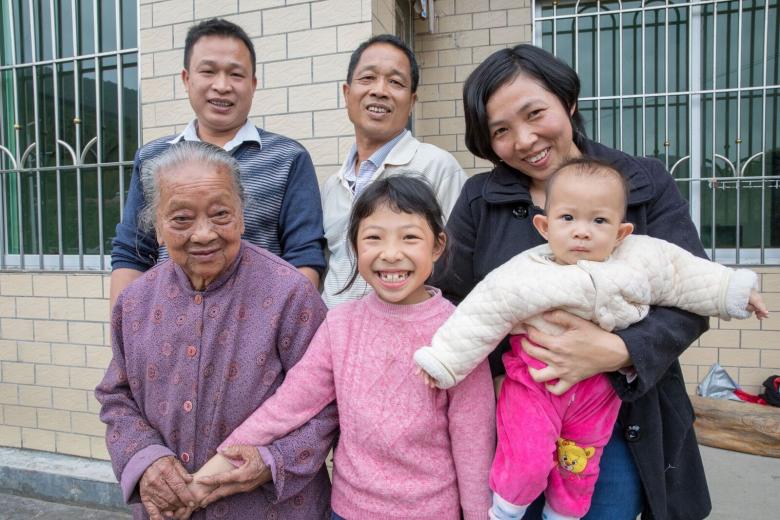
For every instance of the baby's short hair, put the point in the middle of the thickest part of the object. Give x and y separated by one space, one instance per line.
586 167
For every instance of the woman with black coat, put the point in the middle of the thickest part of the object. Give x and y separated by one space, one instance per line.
521 114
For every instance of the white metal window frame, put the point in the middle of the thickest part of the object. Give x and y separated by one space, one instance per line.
739 255
76 153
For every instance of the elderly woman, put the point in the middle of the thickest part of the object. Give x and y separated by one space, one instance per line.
199 342
520 106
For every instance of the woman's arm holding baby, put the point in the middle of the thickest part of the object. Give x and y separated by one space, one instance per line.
581 351
219 478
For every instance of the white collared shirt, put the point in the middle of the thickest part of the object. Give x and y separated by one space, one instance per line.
248 132
358 181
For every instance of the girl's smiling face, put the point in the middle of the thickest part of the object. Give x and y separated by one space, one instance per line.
395 254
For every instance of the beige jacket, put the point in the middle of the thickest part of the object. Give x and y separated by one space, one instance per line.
409 156
642 271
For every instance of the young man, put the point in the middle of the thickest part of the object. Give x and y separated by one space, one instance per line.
282 211
380 93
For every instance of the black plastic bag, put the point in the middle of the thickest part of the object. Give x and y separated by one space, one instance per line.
772 390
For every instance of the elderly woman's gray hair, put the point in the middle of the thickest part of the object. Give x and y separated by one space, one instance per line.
180 154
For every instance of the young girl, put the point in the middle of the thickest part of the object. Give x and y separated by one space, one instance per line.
405 450
592 267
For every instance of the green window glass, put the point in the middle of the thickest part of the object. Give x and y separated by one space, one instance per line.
69 126
696 85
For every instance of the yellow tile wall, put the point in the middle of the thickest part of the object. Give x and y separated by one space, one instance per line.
467 31
53 351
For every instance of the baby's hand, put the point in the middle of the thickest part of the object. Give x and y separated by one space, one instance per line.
426 377
756 304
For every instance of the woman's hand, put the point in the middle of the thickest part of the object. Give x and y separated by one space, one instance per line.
247 477
583 350
163 490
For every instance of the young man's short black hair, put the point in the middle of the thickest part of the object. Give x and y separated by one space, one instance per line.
217 27
389 39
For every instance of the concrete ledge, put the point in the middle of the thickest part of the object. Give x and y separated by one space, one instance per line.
60 478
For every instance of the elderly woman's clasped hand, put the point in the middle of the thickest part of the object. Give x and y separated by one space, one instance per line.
251 474
164 490
168 491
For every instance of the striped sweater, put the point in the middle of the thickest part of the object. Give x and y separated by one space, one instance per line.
282 212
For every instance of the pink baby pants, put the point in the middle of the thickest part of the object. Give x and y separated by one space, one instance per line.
530 420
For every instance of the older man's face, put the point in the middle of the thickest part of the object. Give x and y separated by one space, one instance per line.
199 220
220 84
380 99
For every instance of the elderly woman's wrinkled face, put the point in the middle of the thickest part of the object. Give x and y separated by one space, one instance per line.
200 220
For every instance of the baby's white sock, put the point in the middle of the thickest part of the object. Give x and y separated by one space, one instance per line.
549 514
504 510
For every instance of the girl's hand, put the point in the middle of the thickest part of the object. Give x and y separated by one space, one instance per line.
427 379
583 350
200 491
756 304
251 474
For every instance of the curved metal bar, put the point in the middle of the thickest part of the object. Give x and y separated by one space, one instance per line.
89 145
605 8
731 164
26 153
675 165
577 7
70 150
742 170
10 155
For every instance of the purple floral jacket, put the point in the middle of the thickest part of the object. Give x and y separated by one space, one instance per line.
190 366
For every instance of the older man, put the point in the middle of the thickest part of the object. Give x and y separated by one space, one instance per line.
380 93
282 212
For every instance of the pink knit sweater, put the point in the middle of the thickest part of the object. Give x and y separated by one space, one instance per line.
405 450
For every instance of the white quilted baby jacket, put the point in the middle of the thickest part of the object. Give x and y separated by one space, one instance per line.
642 271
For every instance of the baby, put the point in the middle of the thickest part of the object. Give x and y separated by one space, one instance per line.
594 268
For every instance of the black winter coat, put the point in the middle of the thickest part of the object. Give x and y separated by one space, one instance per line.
491 222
